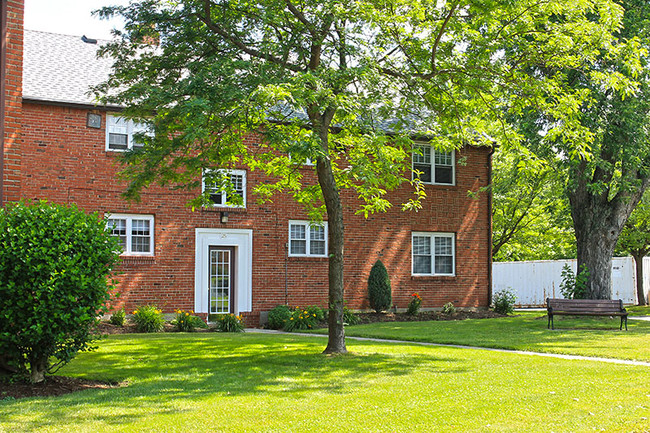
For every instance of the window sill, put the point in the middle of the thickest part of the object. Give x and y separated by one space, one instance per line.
137 260
423 277
298 258
224 209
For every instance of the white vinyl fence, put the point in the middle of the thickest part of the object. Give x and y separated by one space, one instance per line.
534 281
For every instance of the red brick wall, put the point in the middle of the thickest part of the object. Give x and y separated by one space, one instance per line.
13 92
65 161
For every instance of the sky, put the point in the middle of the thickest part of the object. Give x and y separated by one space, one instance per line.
69 17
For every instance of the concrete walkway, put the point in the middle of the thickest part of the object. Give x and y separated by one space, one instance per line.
518 352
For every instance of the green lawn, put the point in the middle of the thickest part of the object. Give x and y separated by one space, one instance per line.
637 310
277 383
588 336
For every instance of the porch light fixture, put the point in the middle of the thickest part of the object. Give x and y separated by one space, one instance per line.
224 217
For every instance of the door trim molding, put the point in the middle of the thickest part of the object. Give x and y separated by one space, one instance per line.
242 241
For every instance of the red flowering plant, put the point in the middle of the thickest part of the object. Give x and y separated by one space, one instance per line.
414 305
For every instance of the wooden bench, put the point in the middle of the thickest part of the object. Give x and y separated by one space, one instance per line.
585 307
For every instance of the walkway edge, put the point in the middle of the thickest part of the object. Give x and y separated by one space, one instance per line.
458 346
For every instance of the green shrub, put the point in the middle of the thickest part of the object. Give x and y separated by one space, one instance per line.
187 322
503 302
349 317
572 286
54 263
414 304
148 319
278 316
304 318
379 291
448 308
230 323
118 318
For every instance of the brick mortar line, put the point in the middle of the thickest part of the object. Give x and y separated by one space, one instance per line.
458 346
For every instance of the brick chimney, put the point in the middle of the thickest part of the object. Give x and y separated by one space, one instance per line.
11 83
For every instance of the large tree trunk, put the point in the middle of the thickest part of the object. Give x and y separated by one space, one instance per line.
638 260
598 222
336 340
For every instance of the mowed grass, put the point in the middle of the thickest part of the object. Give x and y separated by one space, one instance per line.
586 336
282 383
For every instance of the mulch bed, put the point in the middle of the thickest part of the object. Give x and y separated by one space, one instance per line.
53 386
59 385
425 316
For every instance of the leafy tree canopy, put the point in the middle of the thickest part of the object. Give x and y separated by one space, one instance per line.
211 72
604 154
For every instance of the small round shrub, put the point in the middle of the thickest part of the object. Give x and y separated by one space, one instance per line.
503 302
187 322
230 323
448 308
413 307
148 319
278 316
379 290
118 318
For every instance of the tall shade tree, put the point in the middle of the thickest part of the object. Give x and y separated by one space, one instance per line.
605 154
343 83
635 241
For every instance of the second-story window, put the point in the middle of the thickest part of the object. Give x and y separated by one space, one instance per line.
120 133
222 190
433 166
307 239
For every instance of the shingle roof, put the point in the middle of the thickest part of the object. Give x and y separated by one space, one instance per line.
61 68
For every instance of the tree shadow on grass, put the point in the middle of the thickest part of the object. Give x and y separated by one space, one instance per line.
164 370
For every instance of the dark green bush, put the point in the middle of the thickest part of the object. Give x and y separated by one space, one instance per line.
278 316
148 319
379 291
54 263
118 318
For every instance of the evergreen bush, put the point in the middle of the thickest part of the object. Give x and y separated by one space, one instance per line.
379 290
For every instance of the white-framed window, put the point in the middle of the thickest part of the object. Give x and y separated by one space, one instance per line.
433 166
213 183
433 253
134 231
307 239
120 133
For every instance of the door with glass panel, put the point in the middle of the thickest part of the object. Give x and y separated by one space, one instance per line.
221 280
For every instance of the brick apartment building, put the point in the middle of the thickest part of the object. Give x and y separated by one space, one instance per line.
60 146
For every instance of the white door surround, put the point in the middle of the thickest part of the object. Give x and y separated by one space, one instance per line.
242 241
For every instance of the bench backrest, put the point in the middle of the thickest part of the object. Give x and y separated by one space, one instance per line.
586 305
